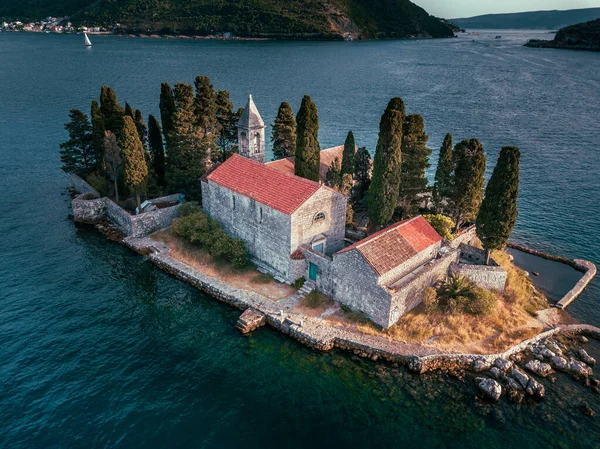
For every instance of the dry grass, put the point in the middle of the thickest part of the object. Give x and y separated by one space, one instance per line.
244 278
509 323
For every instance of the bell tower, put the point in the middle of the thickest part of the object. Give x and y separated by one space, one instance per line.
251 133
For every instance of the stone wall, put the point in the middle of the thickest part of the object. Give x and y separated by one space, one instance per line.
408 293
88 211
79 185
298 269
324 264
149 222
488 277
407 267
474 255
467 236
305 229
266 231
356 285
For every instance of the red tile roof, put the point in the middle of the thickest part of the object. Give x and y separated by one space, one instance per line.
392 246
264 184
327 157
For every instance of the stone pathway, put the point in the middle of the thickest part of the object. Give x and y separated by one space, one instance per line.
291 302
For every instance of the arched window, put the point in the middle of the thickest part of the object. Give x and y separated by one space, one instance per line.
319 218
243 143
257 140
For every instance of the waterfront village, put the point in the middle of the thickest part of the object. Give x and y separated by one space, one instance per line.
328 246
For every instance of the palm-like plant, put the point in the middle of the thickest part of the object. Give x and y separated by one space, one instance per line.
455 292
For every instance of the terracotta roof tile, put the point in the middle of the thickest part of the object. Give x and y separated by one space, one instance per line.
327 157
392 246
264 184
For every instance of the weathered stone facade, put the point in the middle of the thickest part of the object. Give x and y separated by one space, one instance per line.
472 265
251 133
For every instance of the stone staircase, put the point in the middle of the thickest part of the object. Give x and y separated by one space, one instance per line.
291 302
249 321
265 269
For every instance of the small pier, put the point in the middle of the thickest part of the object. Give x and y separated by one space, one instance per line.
250 320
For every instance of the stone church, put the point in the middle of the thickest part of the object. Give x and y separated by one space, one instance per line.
295 228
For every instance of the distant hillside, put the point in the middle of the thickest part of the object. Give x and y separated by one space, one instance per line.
542 20
583 36
248 18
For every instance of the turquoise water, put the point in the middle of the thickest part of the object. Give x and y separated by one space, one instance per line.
100 349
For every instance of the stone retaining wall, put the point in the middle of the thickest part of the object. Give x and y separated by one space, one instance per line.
465 237
79 185
488 277
323 337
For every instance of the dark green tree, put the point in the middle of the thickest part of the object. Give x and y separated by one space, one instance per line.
112 111
187 156
498 213
308 150
77 154
284 133
333 178
205 105
467 193
387 166
349 155
227 126
140 125
129 110
135 169
157 150
362 173
444 175
167 111
415 160
98 135
113 162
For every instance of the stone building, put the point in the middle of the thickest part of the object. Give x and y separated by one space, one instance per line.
275 213
383 276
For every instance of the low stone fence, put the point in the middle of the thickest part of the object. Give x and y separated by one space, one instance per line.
465 237
88 208
488 277
583 266
315 333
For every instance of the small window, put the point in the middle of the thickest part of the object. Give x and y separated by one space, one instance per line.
319 218
261 215
233 202
257 149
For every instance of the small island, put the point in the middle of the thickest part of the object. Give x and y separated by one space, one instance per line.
583 36
331 247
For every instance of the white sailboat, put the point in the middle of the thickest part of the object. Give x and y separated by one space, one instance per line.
88 43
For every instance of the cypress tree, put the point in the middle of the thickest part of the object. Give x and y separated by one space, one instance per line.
387 166
498 213
469 162
77 154
167 110
113 163
205 105
140 126
334 175
415 160
135 170
187 157
284 133
349 155
308 150
98 135
157 149
444 173
362 173
129 111
227 125
112 111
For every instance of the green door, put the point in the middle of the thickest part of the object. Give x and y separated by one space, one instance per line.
312 272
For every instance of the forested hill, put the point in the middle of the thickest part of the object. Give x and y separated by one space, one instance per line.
252 18
583 36
542 20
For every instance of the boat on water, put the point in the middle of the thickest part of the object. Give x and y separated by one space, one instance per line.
88 43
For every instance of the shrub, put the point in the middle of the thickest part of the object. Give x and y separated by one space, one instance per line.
189 208
99 182
442 224
299 283
199 229
430 299
482 303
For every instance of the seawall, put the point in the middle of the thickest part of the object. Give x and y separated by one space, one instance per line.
316 334
588 269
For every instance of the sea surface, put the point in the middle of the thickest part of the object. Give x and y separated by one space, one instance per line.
99 349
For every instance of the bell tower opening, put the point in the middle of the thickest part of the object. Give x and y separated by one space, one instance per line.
251 133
